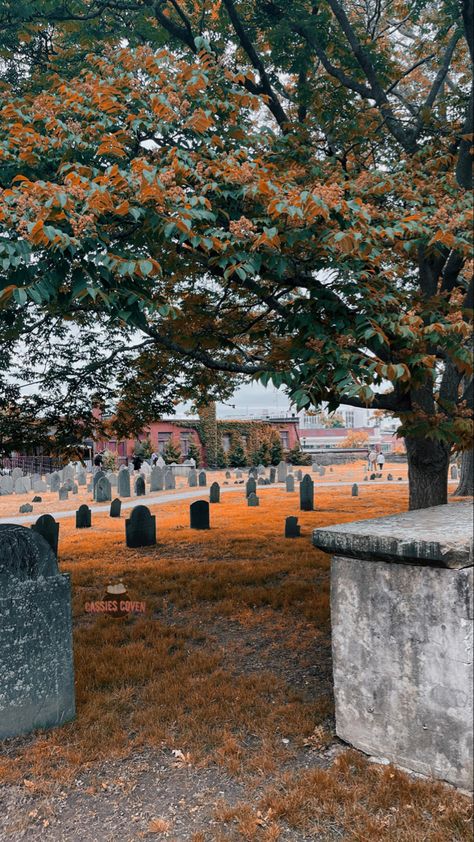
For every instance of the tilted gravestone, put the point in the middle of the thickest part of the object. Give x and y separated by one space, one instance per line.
250 487
140 528
48 528
202 479
123 483
307 494
63 494
103 491
290 483
355 490
215 493
253 500
192 478
199 515
26 507
156 479
292 528
36 661
282 471
55 481
115 507
83 517
139 487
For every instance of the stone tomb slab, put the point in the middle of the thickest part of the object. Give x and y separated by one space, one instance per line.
36 661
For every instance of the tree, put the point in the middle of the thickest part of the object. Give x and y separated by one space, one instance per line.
171 451
238 457
194 452
276 450
355 438
332 420
221 458
297 457
143 448
325 249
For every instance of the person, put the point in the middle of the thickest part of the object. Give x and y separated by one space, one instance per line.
137 463
154 458
98 460
372 460
367 457
380 461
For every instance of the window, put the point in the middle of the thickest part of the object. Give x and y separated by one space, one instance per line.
285 439
163 439
349 419
185 442
225 441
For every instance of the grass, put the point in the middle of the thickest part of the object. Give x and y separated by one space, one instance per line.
216 670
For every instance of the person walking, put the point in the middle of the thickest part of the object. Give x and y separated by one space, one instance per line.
137 463
372 461
380 461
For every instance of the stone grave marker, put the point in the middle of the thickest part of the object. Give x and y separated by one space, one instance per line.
199 515
103 490
115 507
322 471
227 475
290 483
192 478
140 488
202 478
39 485
299 474
238 474
261 470
16 474
253 472
123 482
215 493
156 479
390 477
282 471
83 517
81 477
146 468
454 472
140 528
315 467
355 490
112 478
63 494
6 484
48 528
307 494
36 661
273 473
75 488
20 486
261 481
68 472
170 480
253 500
250 486
26 507
292 528
68 484
37 500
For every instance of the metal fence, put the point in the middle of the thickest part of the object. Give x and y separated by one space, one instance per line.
31 464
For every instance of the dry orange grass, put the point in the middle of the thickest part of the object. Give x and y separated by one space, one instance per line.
207 671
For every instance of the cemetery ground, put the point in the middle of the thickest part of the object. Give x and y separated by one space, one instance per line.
210 717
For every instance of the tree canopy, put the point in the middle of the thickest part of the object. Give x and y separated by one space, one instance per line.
272 190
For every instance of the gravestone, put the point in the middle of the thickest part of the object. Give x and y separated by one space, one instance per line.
48 528
83 517
355 490
238 474
36 661
202 479
253 500
260 470
215 493
307 494
68 484
192 478
123 482
95 479
112 478
20 487
290 483
103 491
454 472
299 475
390 477
37 500
261 481
140 489
6 484
273 472
227 474
16 474
199 515
250 486
115 507
63 494
26 507
156 479
170 481
315 468
292 529
282 471
54 481
160 462
68 472
75 488
322 471
140 527
81 477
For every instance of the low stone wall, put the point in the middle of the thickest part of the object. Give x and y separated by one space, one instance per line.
402 638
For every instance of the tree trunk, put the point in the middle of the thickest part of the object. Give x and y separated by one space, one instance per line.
428 463
466 484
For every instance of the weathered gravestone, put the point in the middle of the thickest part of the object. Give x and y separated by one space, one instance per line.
215 493
55 481
454 472
139 487
123 482
261 470
227 475
95 479
112 478
322 471
6 485
192 478
202 478
37 500
315 468
16 474
83 517
48 528
103 491
26 507
282 471
253 472
199 515
20 487
299 475
389 477
253 500
170 481
292 528
156 479
355 490
140 528
250 487
290 483
81 477
238 474
36 664
262 481
273 473
307 494
68 484
115 507
402 638
63 494
75 488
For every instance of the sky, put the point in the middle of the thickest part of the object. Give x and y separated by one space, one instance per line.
250 401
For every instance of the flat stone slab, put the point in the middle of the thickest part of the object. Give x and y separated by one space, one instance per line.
440 536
